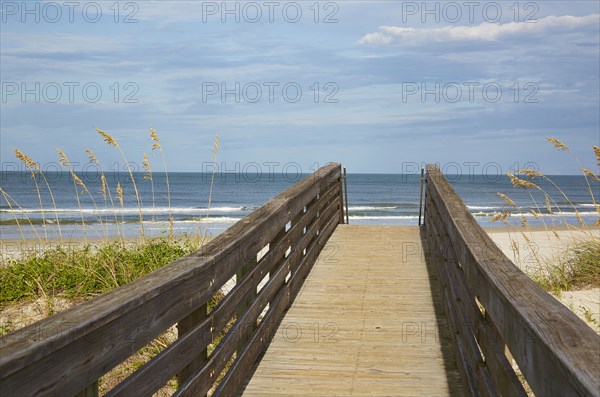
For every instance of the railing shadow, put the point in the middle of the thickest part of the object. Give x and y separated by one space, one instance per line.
445 332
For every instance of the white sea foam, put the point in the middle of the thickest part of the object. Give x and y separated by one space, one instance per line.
216 219
145 210
539 214
369 208
482 207
363 218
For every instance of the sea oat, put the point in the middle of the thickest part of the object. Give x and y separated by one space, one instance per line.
530 173
148 175
63 160
210 192
496 217
34 168
535 214
119 193
520 183
28 161
548 207
92 157
515 247
508 201
156 144
597 152
590 174
579 218
109 139
147 168
79 182
558 144
104 186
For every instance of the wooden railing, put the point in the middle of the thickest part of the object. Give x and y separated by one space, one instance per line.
65 354
492 305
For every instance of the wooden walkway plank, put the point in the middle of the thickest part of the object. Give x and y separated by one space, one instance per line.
367 322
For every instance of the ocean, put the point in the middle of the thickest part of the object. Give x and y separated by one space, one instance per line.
375 199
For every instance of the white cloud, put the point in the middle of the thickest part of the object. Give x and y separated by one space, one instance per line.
388 35
49 43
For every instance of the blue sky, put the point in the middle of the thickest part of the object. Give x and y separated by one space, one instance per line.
384 85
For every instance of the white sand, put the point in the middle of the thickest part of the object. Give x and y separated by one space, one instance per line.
533 250
525 248
539 247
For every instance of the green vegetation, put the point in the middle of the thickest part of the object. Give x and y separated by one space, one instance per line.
589 316
75 272
51 276
80 272
577 268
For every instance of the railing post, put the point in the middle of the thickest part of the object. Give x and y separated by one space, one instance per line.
183 326
346 195
246 301
341 210
421 195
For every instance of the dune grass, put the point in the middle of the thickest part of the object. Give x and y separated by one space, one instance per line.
55 275
45 276
76 271
578 267
61 276
79 272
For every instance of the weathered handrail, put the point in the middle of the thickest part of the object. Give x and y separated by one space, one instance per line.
491 305
66 353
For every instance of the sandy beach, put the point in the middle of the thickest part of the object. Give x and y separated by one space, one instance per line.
527 248
524 245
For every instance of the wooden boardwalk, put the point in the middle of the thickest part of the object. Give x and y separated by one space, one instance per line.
367 322
334 310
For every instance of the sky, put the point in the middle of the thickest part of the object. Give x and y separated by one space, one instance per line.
379 86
